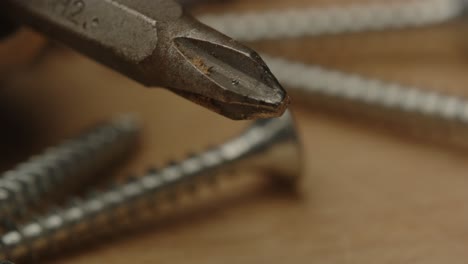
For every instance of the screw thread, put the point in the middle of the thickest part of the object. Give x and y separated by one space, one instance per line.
68 164
335 19
412 110
83 214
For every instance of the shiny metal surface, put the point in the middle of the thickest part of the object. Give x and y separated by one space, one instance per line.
431 115
269 145
65 166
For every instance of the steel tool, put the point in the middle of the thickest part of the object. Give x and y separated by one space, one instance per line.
158 44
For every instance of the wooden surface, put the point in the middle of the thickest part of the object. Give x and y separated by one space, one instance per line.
367 196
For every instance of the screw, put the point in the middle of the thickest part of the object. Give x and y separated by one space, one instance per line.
316 21
65 165
270 145
432 115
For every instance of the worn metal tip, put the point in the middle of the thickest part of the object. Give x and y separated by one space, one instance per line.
230 79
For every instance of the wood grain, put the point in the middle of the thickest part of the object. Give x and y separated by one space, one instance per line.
367 196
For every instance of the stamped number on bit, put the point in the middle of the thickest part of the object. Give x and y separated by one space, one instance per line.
71 10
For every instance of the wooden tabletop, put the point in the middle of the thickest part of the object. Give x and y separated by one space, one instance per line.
367 196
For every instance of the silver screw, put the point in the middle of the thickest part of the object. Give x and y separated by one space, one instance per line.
428 114
316 21
269 145
66 165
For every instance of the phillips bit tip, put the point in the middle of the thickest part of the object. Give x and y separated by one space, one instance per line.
224 75
158 44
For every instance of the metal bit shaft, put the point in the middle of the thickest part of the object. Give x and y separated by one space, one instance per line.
65 166
157 44
269 145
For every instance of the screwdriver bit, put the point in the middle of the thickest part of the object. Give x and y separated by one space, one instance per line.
156 43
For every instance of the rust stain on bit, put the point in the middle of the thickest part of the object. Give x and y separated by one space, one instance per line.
202 66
